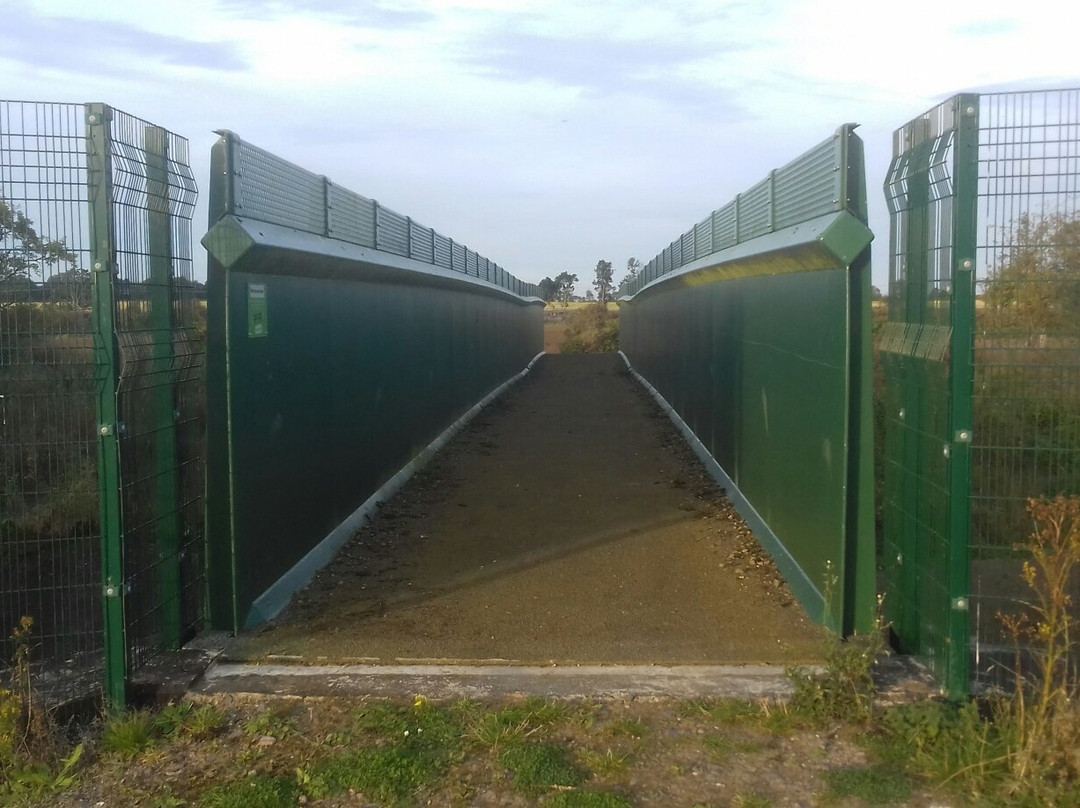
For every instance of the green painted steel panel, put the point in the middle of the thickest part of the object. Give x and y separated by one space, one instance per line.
368 357
763 349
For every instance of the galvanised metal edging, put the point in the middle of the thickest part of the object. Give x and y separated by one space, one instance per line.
267 188
806 188
272 249
270 189
351 217
823 243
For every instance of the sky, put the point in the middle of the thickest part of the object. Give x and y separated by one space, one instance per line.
544 135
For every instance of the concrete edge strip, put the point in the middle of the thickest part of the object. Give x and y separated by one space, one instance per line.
797 579
487 681
270 603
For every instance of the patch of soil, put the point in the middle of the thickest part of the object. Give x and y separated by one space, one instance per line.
568 523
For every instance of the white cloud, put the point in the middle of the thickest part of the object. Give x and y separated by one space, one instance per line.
545 134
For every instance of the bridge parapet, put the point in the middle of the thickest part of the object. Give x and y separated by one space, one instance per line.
345 341
753 327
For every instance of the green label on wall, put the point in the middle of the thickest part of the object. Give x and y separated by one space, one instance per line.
258 325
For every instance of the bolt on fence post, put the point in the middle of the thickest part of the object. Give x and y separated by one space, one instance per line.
161 291
107 365
961 381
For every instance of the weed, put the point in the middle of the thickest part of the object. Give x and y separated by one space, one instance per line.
1045 710
722 747
538 767
389 774
262 791
129 734
585 799
515 722
878 785
845 689
271 723
722 711
627 728
186 720
603 763
31 761
751 801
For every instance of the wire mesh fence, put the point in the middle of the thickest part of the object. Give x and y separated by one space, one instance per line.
982 365
1027 347
80 215
160 329
49 524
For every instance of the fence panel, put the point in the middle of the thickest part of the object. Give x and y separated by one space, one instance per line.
1026 437
100 393
982 361
159 326
50 532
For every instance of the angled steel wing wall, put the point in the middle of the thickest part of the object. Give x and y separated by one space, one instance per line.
343 339
754 328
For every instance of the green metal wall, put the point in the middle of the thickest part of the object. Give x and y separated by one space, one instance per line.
762 349
363 359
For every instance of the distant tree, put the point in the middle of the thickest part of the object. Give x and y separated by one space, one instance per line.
72 286
24 253
633 267
589 296
875 293
549 290
566 282
1035 285
603 283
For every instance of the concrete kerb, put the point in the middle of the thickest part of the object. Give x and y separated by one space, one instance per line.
496 681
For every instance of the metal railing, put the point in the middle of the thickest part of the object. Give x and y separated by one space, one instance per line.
806 188
267 188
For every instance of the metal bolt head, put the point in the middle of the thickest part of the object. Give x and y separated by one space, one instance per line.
964 435
93 119
901 414
945 450
106 430
969 110
968 263
110 591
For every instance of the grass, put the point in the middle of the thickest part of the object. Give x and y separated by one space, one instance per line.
1014 751
539 767
876 785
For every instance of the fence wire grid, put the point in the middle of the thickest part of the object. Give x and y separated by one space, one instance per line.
52 378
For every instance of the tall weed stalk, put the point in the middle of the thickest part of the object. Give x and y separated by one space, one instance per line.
1045 711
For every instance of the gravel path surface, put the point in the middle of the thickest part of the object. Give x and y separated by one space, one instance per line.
569 524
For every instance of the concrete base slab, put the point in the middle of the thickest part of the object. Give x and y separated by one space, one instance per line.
747 682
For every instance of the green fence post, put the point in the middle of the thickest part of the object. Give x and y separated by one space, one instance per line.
961 380
166 488
107 361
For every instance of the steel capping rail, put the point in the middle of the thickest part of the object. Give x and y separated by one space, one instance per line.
267 188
